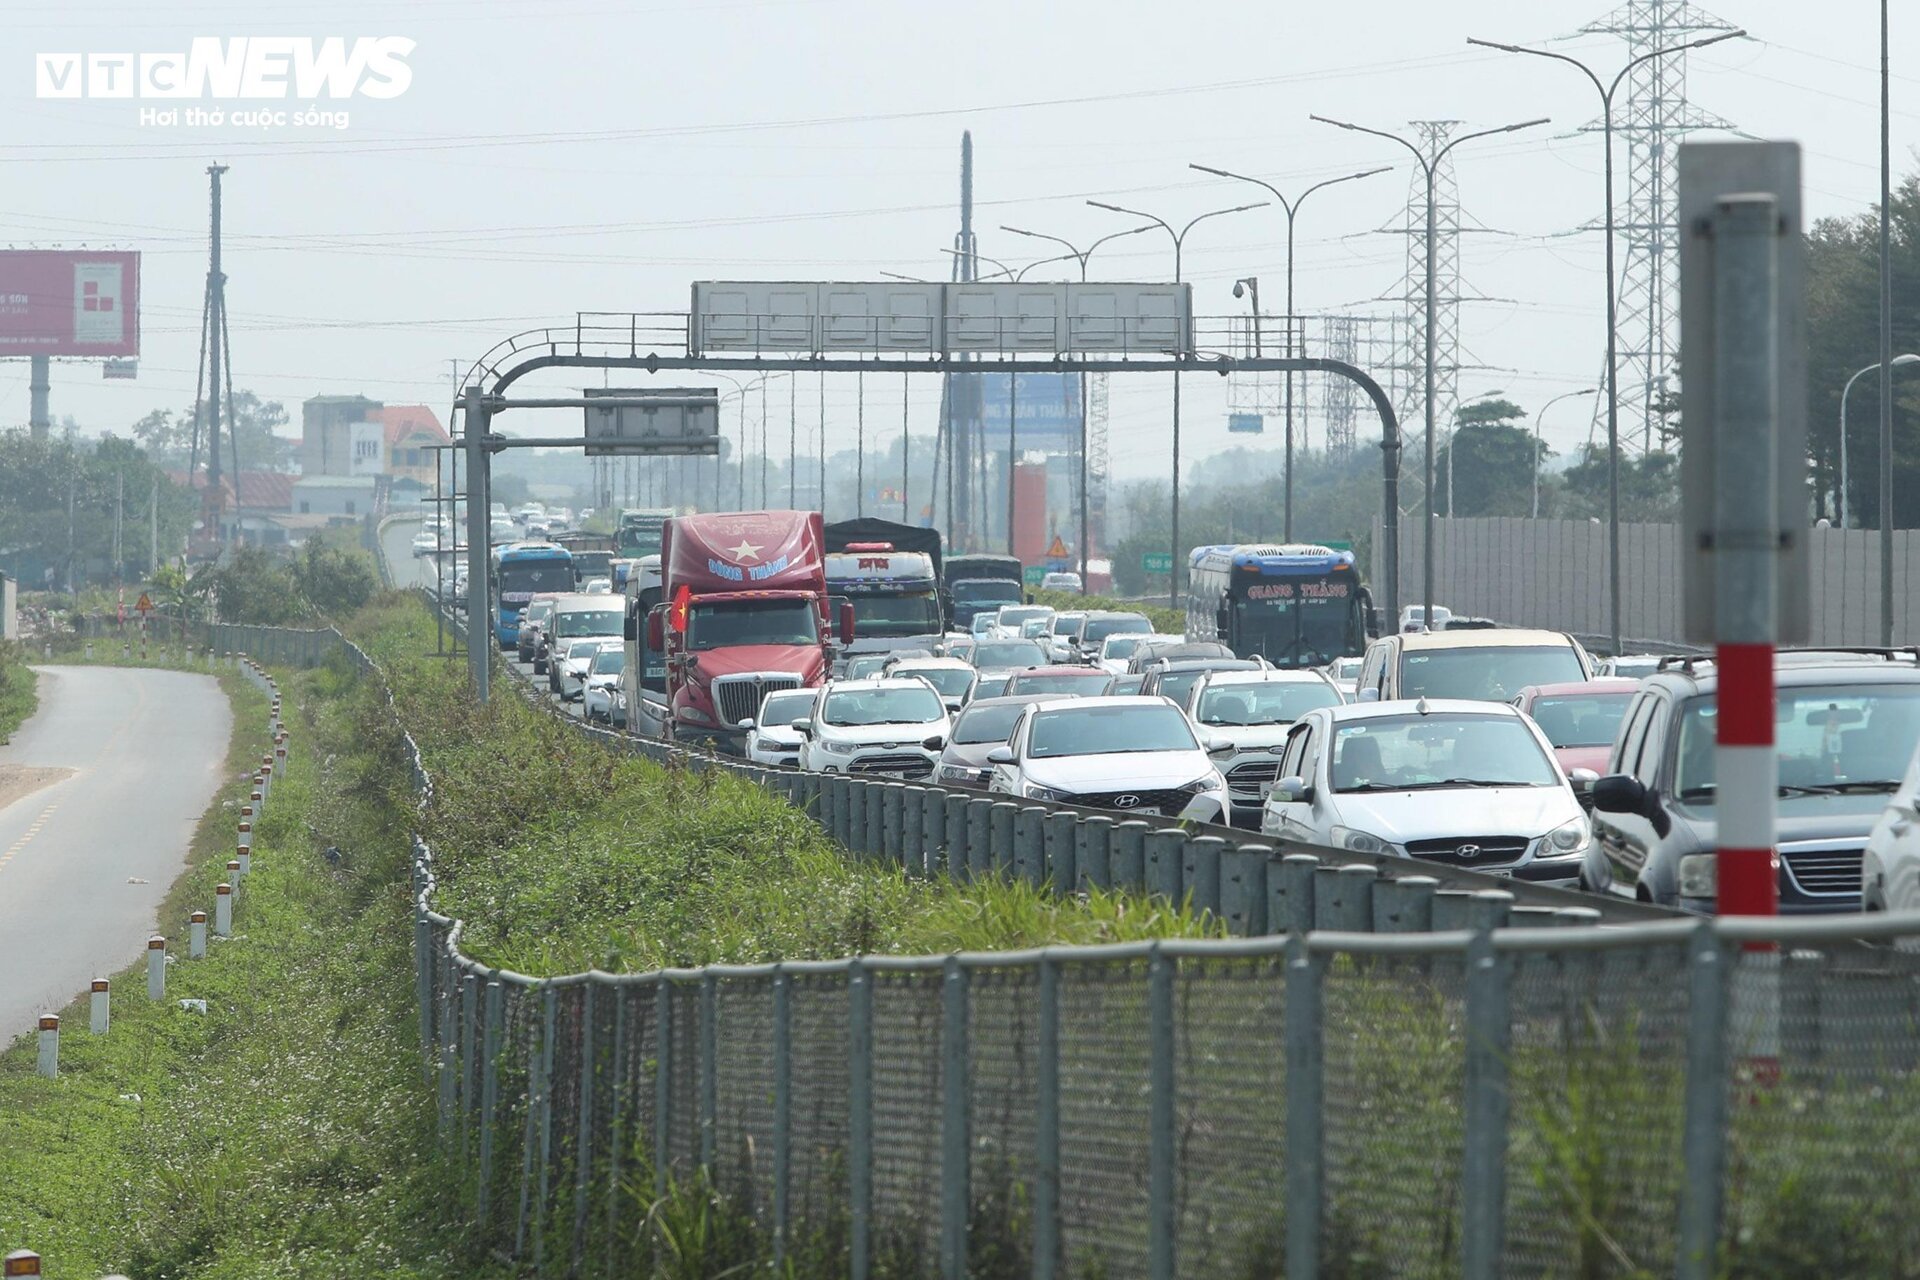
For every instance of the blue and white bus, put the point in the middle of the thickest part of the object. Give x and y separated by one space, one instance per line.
1294 604
522 571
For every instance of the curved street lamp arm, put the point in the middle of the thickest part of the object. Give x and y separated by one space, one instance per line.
1488 133
1345 177
1419 156
1678 48
1135 213
1041 235
1606 94
1217 213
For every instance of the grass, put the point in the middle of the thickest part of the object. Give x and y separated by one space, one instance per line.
19 694
1172 622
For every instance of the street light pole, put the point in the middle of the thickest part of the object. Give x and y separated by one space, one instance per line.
1899 362
1085 523
1606 92
1179 240
1291 207
1428 166
1541 413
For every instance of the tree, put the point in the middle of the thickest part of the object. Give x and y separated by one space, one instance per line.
168 436
1490 459
1649 487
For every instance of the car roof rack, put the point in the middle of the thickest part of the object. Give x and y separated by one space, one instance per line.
1895 653
1686 663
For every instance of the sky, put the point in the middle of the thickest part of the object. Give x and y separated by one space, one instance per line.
593 156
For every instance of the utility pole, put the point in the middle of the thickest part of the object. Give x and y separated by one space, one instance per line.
1886 345
119 524
214 332
153 528
39 378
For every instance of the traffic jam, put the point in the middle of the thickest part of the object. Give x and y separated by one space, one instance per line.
1282 705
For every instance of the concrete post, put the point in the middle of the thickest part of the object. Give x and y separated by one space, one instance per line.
978 863
1000 824
223 910
1164 852
197 935
1093 854
21 1262
1290 893
99 1007
1127 855
1200 873
49 1065
1030 845
243 862
156 968
1243 889
1062 838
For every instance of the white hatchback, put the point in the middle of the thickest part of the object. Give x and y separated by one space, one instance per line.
891 727
1136 755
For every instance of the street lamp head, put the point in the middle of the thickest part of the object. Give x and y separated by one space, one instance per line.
1495 44
1239 288
1526 124
1218 173
1902 361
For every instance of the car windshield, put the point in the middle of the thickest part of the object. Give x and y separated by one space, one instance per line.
1830 738
786 708
1125 684
1109 730
984 590
987 723
983 623
589 622
722 624
1064 624
1439 752
1122 646
1177 685
1098 629
1634 668
538 611
1580 720
609 662
1487 673
1271 702
1087 684
1008 653
950 681
1015 617
896 704
583 650
866 665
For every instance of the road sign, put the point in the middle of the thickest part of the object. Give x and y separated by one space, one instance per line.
1156 561
1246 424
145 604
676 420
1058 551
1049 410
1033 574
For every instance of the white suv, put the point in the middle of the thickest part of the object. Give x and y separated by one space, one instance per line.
893 727
1253 710
1136 755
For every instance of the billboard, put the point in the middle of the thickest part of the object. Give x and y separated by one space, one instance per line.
680 420
1048 405
69 303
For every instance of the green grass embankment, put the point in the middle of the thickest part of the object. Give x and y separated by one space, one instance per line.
19 692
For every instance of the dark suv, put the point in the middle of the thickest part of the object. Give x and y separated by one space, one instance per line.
1845 727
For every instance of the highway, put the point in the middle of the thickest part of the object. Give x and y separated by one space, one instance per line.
396 544
85 859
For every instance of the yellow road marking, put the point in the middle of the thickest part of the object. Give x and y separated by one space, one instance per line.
32 830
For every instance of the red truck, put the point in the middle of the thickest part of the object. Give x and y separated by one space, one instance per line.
744 611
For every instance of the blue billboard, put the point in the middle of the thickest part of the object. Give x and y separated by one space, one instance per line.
1048 405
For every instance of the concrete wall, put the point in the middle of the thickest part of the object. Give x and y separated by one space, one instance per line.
1553 573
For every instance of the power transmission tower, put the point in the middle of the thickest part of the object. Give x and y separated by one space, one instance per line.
1409 360
1653 119
208 382
1097 460
1341 395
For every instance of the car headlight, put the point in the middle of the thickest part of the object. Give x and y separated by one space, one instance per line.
1034 791
1212 782
1358 841
1700 875
1567 839
696 715
833 748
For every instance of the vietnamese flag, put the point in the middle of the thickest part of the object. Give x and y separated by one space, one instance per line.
677 615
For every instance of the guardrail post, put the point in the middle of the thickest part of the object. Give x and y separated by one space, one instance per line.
859 1116
423 974
828 813
445 1043
709 1071
490 1036
1704 1133
979 853
1404 904
1165 848
1290 893
1488 1046
1000 825
1062 835
956 1141
1093 853
913 829
874 844
946 827
1046 1126
1200 873
1030 845
662 1086
1160 1113
469 1011
1343 897
1305 1090
893 804
782 1115
1127 854
846 817
1243 889
1450 910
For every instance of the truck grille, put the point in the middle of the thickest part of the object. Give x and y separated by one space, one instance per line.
738 698
904 766
1253 775
1824 872
1471 851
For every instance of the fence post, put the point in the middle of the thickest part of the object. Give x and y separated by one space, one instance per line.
1046 1126
1293 911
445 1043
618 1140
1127 854
860 1115
1164 849
1243 889
586 1069
1000 822
709 1070
662 1085
489 1090
893 804
1062 856
1093 853
1030 845
913 829
1704 1135
1200 873
1488 1044
1305 1088
549 999
469 1015
423 975
979 852
956 1173
1160 1111
782 1114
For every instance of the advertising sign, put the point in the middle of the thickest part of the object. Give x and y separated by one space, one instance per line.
1048 405
69 303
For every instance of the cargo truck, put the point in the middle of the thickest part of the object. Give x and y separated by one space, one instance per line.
891 572
744 611
981 584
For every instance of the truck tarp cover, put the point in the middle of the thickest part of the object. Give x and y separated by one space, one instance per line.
904 537
960 568
745 551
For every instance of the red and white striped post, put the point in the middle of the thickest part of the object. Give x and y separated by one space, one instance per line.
49 1065
99 1007
156 968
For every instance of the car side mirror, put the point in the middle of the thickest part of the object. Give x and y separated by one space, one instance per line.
1583 779
1368 695
1000 755
1619 793
746 722
657 628
1220 748
631 631
935 743
804 729
1293 790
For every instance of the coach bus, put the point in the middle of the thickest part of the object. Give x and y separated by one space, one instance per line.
1294 604
522 571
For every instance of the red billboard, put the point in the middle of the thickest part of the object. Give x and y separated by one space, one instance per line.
69 303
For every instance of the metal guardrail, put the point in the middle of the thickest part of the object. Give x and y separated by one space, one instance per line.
1470 1101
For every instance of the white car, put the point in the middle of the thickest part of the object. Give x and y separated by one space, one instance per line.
597 587
1254 710
1462 783
1414 618
1890 868
603 683
1135 755
425 542
1010 623
570 672
1002 658
952 678
1059 639
890 727
773 740
1060 580
1116 651
1630 666
1345 672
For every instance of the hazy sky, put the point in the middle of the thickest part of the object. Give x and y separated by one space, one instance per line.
550 158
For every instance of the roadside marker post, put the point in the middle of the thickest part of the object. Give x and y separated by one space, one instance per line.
223 910
21 1262
197 936
49 1065
99 1007
156 968
243 862
246 830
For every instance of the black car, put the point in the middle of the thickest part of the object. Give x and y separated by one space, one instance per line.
1845 725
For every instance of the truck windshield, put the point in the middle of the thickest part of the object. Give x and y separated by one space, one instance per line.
589 622
980 590
915 614
728 623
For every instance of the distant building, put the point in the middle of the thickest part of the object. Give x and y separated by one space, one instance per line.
411 431
327 495
257 514
341 436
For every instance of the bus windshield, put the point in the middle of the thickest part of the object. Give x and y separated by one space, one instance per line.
520 579
1296 631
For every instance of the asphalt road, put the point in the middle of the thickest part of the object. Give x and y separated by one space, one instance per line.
86 860
396 544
